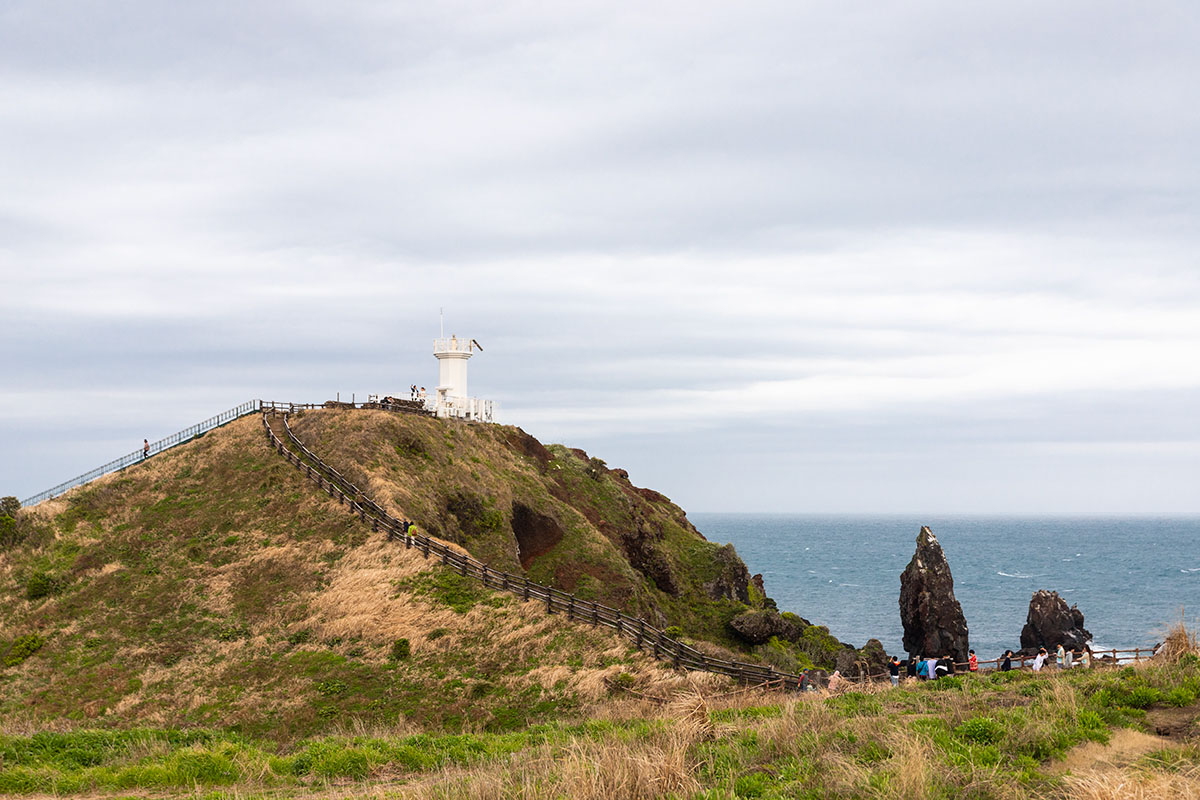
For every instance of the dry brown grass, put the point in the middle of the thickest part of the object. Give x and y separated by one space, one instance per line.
1132 784
1179 640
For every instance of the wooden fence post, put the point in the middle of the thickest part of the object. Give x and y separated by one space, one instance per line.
549 600
571 606
595 614
525 590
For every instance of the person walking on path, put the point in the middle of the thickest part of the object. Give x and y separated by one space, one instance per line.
972 662
911 668
1006 664
894 669
145 448
1060 656
1040 661
922 668
1070 659
1086 658
931 664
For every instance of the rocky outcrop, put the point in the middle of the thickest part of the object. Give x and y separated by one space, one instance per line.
758 594
732 581
933 619
874 657
757 627
536 533
1051 623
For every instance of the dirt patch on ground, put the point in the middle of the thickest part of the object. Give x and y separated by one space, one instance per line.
1124 747
1175 723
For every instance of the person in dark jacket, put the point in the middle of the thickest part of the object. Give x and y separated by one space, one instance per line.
944 667
1006 664
894 669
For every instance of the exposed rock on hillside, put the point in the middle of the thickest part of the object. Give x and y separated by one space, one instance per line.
536 533
1051 623
757 627
732 581
873 657
933 619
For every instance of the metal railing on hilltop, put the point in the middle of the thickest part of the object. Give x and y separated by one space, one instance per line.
137 456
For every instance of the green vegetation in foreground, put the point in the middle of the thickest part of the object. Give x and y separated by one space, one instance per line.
977 736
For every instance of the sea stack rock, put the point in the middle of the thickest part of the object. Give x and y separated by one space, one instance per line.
1051 623
933 619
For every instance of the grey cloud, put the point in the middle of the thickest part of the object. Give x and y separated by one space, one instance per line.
636 208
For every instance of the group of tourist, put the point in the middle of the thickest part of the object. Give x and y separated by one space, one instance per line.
933 667
417 395
1064 658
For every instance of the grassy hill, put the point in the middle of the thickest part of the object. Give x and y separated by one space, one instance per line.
556 514
209 622
213 585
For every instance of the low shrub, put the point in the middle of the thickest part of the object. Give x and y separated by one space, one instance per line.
42 584
401 650
980 730
302 636
331 688
22 648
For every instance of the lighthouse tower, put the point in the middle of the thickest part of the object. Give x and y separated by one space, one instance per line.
452 399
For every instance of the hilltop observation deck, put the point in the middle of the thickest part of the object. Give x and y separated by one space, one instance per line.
451 398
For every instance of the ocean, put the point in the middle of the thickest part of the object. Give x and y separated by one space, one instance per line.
1130 576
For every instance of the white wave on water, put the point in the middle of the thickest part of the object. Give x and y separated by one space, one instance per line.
1015 575
849 584
1193 569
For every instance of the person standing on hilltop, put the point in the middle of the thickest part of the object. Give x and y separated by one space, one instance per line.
1040 661
145 448
1060 656
1006 664
972 661
894 669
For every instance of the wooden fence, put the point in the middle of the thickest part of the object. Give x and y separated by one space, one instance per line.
642 634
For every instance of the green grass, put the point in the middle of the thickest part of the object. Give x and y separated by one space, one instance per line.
986 738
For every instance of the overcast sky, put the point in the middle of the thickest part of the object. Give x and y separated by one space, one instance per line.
767 256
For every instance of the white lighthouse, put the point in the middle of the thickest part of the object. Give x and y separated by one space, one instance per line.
452 399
